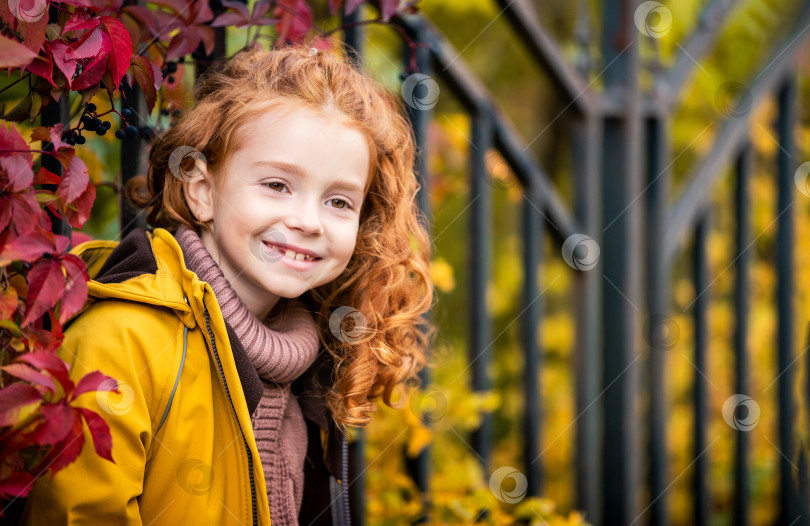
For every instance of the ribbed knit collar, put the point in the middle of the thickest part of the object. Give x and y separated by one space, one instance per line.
283 346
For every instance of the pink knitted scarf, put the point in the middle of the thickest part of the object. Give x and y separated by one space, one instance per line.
281 348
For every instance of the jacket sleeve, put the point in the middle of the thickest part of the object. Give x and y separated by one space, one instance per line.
110 337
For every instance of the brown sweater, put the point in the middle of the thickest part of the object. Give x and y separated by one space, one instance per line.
280 349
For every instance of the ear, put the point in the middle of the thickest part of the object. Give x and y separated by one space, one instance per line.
199 192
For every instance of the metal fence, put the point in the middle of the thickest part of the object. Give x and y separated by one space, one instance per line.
622 175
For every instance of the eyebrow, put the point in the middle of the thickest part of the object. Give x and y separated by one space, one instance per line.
300 172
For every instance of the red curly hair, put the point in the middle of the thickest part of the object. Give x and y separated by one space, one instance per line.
388 278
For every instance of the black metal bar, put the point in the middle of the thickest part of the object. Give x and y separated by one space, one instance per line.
741 309
420 119
353 38
701 400
621 177
479 264
473 95
57 112
533 243
659 324
133 160
545 51
695 197
586 152
786 98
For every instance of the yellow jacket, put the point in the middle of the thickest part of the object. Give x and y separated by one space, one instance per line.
182 439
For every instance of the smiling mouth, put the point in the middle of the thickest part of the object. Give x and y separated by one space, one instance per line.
291 254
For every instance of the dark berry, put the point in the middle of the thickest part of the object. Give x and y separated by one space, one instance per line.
91 107
131 131
70 140
107 124
81 139
127 113
86 118
101 131
171 78
92 125
146 131
119 134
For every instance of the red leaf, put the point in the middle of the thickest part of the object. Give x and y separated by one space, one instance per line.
230 19
43 67
295 20
51 134
16 164
93 44
100 432
145 73
46 285
81 19
27 247
66 451
22 211
45 176
388 8
76 288
79 211
95 381
91 75
145 16
57 424
80 237
118 60
74 181
21 370
351 5
17 484
13 398
51 363
65 65
34 33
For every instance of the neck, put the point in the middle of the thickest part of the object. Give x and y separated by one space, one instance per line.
259 303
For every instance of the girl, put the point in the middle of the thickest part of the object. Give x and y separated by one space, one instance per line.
276 294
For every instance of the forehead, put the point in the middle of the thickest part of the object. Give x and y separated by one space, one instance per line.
323 143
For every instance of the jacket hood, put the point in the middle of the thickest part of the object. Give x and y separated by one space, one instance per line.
148 266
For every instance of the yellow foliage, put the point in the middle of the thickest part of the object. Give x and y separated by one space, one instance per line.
441 272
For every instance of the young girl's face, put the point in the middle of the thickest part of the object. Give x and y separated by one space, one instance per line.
296 179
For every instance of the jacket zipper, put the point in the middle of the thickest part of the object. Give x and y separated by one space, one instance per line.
345 475
233 408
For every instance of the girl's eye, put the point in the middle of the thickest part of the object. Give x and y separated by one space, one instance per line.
345 204
271 183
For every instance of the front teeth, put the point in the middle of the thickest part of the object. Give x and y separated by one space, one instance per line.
300 257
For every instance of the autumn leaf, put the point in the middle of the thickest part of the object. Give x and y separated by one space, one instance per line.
119 57
27 373
100 431
14 54
46 285
76 287
15 397
17 164
74 181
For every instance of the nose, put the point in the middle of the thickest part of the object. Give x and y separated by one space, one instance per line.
305 217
